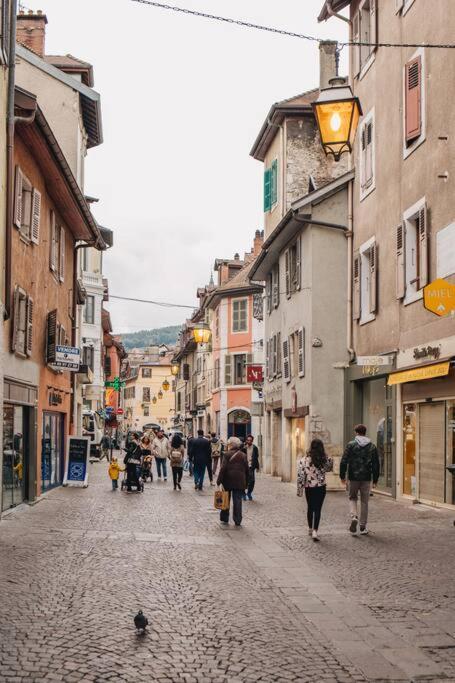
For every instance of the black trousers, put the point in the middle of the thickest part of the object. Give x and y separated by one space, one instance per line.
251 481
315 498
236 497
177 473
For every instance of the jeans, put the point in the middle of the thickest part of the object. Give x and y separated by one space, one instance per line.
199 472
251 481
236 496
215 462
177 473
315 498
114 484
362 487
161 463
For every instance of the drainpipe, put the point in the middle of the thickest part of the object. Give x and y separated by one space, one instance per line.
332 13
10 157
349 236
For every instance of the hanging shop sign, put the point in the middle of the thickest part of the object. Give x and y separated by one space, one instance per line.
67 357
439 297
254 373
76 472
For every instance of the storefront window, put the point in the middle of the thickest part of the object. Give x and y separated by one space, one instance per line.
14 456
52 450
297 443
377 417
409 450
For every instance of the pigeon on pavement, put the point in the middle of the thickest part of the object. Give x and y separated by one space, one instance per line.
140 621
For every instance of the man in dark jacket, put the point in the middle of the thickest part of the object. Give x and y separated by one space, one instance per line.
233 477
133 462
252 454
200 454
360 462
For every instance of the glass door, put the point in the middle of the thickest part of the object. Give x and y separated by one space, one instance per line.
409 449
14 456
297 444
52 451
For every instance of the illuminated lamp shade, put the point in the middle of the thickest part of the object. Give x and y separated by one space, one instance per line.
166 386
337 112
154 399
202 333
160 394
175 367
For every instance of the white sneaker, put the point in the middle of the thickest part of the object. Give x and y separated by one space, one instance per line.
353 526
364 531
315 536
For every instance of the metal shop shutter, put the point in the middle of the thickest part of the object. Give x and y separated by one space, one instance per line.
432 452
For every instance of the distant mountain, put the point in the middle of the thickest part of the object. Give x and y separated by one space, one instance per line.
143 338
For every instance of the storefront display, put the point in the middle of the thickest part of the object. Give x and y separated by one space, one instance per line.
14 456
52 455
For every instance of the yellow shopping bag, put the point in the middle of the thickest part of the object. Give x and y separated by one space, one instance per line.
221 500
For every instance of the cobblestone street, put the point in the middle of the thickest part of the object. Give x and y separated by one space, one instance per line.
260 603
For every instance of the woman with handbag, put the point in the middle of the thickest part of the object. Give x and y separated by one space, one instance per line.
311 479
233 477
176 457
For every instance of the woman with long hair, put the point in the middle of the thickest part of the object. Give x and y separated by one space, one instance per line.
177 456
311 479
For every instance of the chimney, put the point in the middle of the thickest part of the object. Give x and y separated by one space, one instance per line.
328 62
258 242
31 30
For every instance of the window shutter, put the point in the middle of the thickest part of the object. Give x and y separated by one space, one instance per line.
369 154
356 287
356 48
18 198
267 359
373 263
413 96
373 23
53 244
423 238
363 156
51 336
276 287
29 337
16 316
274 183
267 190
36 216
301 336
61 270
286 367
249 359
288 273
398 5
274 356
186 372
298 261
228 369
268 292
401 272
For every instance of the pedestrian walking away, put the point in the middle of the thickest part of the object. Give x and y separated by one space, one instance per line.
177 457
311 479
161 451
201 457
189 456
133 462
233 477
217 448
360 466
114 472
210 462
105 446
252 454
147 458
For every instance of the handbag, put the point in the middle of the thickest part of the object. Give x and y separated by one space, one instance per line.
221 499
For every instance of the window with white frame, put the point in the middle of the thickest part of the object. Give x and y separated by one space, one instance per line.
27 208
367 155
240 315
365 278
89 310
364 30
412 238
293 267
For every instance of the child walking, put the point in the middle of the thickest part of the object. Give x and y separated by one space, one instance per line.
114 472
311 479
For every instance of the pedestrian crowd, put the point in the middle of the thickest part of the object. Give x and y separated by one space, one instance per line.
234 465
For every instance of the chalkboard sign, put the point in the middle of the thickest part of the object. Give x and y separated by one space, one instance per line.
76 472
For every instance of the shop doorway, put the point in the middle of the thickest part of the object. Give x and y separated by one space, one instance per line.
52 454
297 444
15 455
377 416
239 424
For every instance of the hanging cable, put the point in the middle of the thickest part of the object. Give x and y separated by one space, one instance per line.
149 301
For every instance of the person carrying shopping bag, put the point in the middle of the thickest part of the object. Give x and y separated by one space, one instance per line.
177 457
233 477
311 479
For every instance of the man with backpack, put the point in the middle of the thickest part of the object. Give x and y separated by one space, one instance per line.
360 462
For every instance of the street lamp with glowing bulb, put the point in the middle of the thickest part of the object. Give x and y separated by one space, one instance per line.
202 333
337 113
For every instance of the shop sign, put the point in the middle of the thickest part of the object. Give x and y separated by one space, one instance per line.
418 374
374 360
76 472
254 373
439 297
427 352
67 357
55 398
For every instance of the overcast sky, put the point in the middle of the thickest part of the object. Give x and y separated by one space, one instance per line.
183 99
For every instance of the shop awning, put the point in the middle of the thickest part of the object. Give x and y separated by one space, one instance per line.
418 374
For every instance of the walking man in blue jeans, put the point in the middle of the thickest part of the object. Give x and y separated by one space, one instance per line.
161 450
200 455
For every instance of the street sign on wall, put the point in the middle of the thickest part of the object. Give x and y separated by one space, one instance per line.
439 297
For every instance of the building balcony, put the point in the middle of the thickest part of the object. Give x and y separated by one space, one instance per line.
92 280
85 374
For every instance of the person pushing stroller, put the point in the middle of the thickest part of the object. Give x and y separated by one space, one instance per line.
133 463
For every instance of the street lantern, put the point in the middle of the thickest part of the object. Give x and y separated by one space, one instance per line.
166 386
202 333
160 394
154 399
337 112
175 368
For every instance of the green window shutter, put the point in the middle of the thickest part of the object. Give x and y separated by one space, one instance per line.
267 190
274 182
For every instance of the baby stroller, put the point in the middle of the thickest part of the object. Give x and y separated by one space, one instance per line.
137 485
146 471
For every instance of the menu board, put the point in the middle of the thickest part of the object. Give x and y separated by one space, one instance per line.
76 471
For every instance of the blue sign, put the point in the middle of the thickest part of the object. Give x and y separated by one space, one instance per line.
76 472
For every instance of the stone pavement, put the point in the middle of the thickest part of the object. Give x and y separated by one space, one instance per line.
260 603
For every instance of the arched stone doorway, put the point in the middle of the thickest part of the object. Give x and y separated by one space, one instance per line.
239 423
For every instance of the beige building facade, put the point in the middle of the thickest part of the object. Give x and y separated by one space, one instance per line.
145 399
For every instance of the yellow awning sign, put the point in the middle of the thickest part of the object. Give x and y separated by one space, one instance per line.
417 374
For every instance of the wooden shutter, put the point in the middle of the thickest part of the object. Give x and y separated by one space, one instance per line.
51 341
286 367
369 153
61 264
16 316
186 372
36 216
278 355
413 99
274 183
401 271
53 245
29 335
269 292
301 359
398 5
288 273
373 24
108 365
274 356
423 241
356 48
373 265
228 369
298 262
276 286
267 190
267 359
18 198
363 156
356 287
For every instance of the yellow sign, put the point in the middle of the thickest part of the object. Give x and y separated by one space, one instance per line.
439 297
416 374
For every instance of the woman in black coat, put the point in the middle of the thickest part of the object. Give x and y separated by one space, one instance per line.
233 477
133 462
